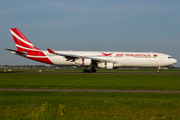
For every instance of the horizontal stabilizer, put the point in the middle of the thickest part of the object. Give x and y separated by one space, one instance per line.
17 52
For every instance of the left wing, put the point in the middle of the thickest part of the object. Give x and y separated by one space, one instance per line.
72 56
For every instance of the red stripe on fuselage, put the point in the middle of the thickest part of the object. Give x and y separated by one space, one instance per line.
44 60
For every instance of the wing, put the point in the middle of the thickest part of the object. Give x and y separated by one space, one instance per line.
72 56
17 52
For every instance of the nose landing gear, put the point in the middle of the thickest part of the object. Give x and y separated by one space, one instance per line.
158 71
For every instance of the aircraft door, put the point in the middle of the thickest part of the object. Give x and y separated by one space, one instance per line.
160 58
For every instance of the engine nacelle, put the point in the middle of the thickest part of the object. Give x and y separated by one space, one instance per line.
106 65
83 61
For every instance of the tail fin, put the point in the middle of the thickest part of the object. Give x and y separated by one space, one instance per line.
26 49
22 43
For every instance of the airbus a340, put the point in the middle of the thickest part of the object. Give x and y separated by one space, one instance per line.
90 60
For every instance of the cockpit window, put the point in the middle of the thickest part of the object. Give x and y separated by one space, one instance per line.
170 57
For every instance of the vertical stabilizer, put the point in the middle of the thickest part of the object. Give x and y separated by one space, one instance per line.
26 48
22 43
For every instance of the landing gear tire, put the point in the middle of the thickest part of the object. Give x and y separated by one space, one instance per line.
93 70
89 71
85 70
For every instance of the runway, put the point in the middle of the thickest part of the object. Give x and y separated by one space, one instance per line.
58 72
83 90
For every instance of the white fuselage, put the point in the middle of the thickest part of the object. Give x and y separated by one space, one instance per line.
128 59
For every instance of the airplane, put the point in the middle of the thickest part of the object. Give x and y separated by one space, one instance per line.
90 60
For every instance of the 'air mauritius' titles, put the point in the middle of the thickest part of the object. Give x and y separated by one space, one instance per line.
127 55
133 55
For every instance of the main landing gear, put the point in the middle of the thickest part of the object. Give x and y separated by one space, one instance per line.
89 70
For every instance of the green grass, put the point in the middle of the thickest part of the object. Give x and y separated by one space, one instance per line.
90 81
17 105
88 105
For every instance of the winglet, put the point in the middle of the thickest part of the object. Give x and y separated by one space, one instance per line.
50 51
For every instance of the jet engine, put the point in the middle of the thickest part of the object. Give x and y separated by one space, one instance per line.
106 65
83 61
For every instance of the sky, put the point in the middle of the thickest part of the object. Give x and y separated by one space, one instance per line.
91 25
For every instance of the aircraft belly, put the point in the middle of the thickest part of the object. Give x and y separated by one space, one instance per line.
139 62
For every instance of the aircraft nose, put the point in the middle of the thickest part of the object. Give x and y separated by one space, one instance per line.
174 61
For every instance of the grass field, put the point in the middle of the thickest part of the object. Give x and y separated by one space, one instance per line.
90 81
89 105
